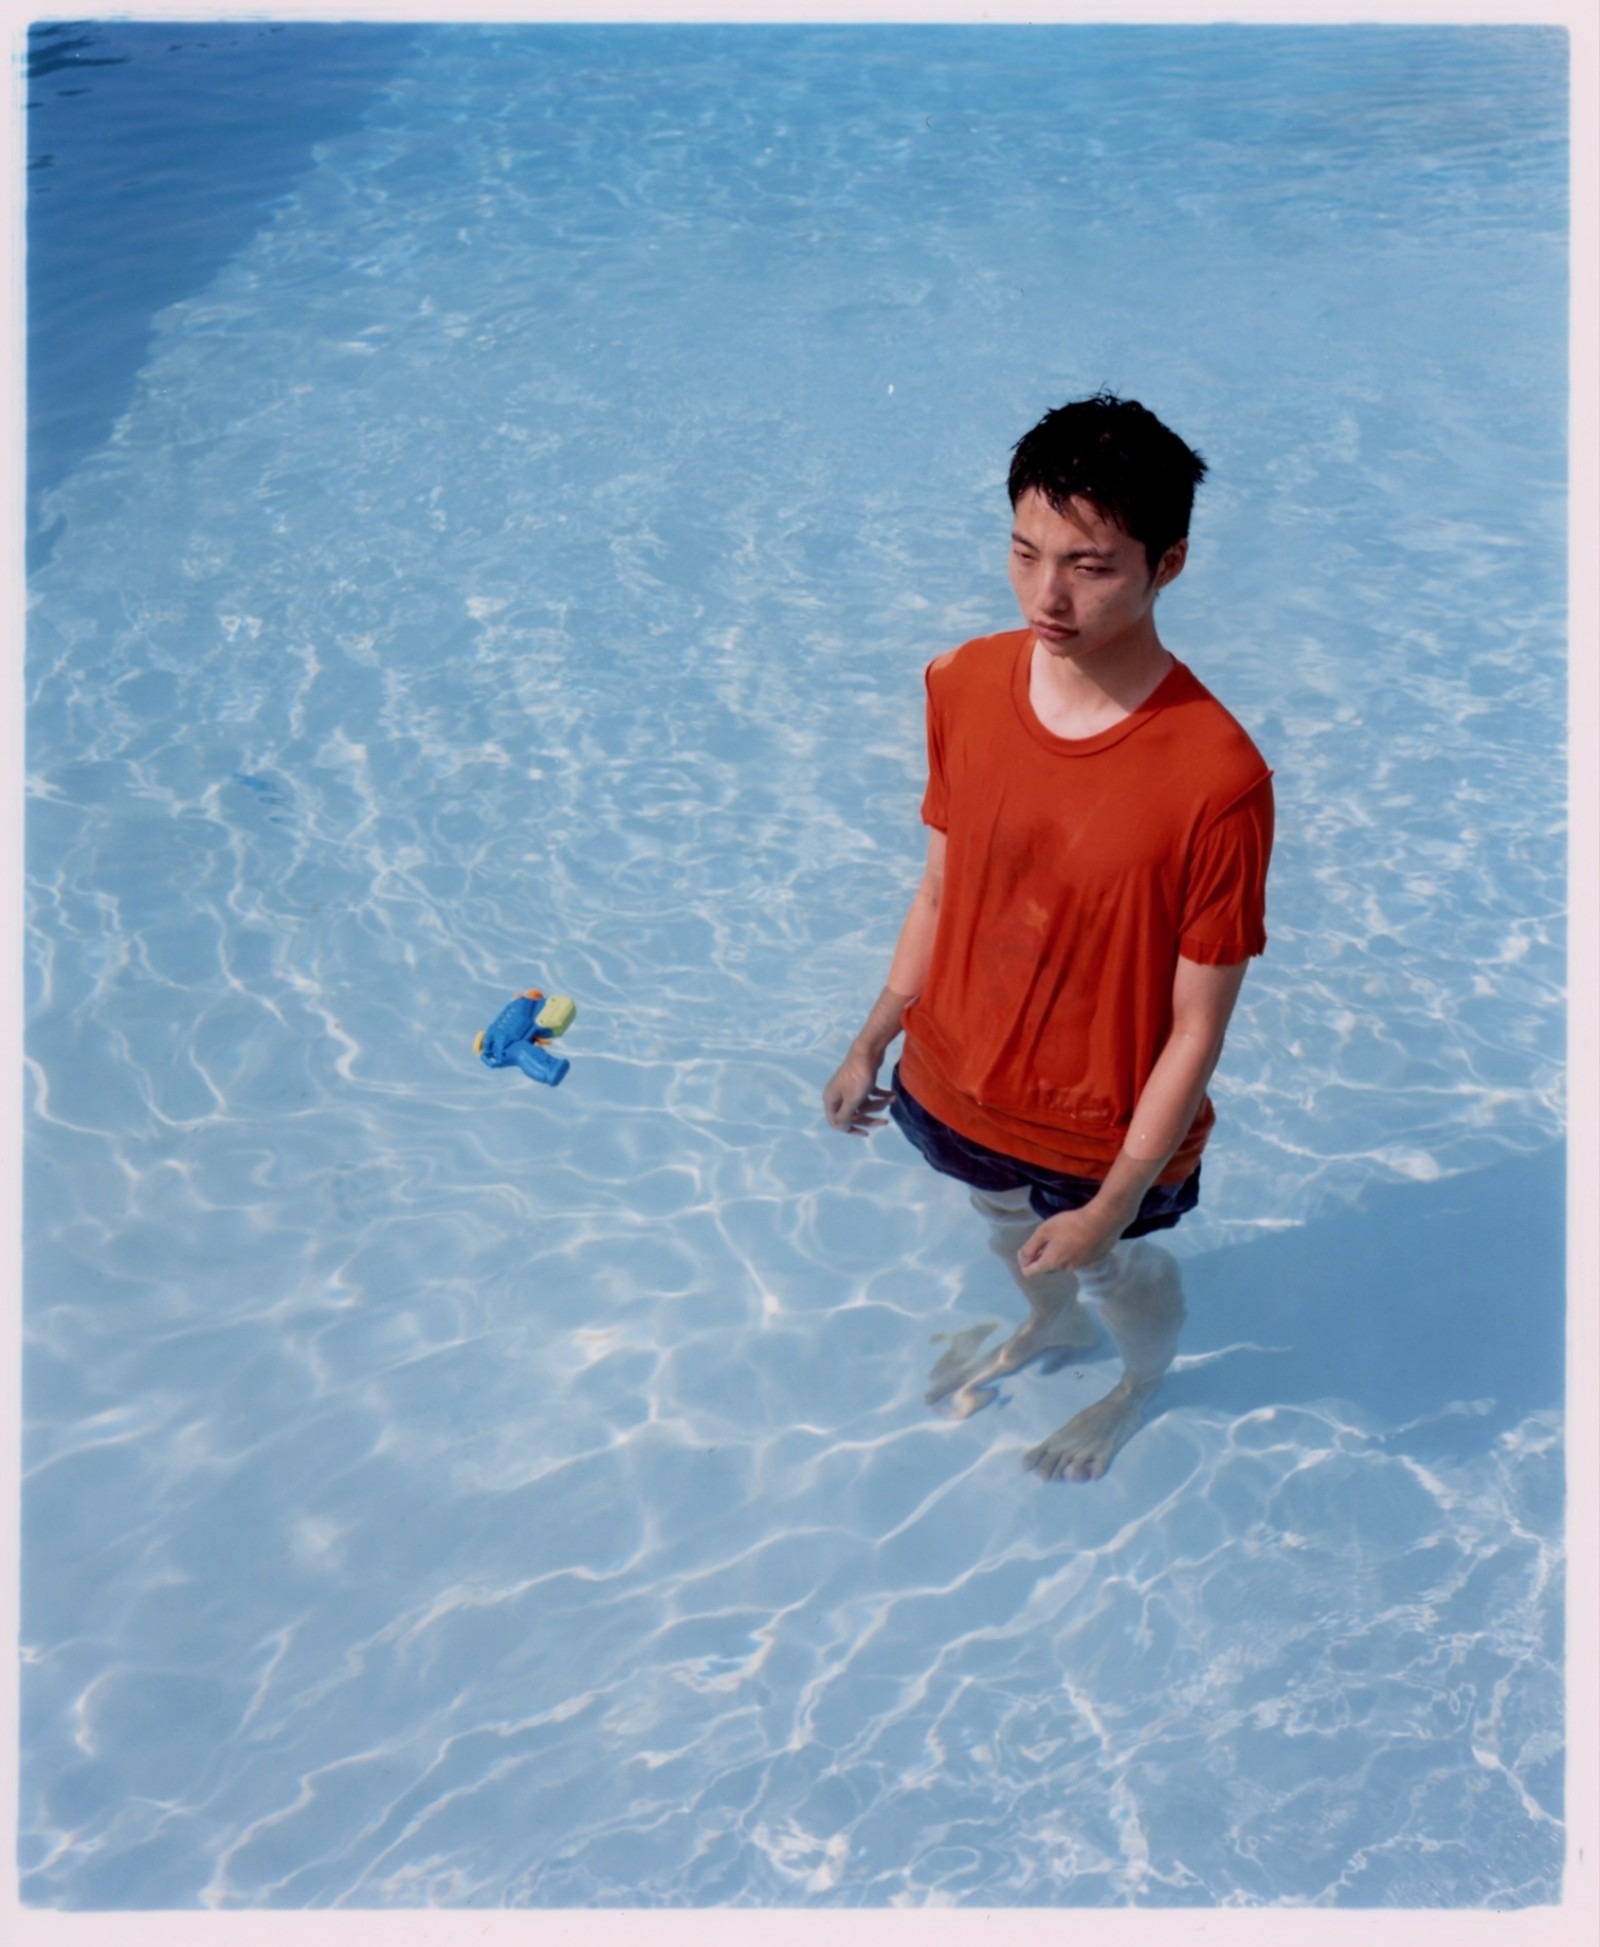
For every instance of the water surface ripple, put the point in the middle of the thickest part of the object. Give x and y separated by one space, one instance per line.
517 565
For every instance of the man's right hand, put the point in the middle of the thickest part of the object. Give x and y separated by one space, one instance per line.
853 1101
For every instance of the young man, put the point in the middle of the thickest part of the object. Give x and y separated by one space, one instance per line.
1099 831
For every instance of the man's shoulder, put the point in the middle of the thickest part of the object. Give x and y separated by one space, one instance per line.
977 659
1210 731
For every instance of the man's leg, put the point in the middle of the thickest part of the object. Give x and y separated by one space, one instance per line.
1139 1296
1057 1323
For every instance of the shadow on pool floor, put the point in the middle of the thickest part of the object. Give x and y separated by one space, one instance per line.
1423 1297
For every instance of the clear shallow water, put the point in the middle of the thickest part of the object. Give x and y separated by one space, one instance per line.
516 564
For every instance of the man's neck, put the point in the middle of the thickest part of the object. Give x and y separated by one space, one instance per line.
1082 699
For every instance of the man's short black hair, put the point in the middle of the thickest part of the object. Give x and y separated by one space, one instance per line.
1117 456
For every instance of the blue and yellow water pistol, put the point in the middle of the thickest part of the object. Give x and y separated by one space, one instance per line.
517 1034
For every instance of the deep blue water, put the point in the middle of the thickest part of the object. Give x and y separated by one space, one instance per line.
155 151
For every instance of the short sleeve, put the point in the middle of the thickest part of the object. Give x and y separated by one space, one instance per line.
936 798
1224 916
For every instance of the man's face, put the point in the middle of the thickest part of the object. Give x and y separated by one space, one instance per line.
1083 585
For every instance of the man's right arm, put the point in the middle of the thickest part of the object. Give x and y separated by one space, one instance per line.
853 1100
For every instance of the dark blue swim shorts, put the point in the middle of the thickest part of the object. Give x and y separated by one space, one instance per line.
1049 1191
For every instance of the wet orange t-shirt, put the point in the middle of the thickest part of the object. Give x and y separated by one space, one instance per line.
1077 871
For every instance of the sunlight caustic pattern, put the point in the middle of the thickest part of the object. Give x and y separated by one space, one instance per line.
516 565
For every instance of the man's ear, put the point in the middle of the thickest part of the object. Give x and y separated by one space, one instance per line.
1170 566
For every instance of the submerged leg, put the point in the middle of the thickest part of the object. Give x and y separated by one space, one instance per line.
1139 1295
1057 1326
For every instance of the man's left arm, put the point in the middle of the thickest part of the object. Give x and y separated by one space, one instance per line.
1202 1005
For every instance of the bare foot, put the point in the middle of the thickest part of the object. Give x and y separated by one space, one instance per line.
1082 1449
968 1380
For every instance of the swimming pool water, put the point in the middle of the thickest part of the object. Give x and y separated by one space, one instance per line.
515 563
155 151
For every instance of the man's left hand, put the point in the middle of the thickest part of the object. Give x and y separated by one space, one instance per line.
1072 1239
